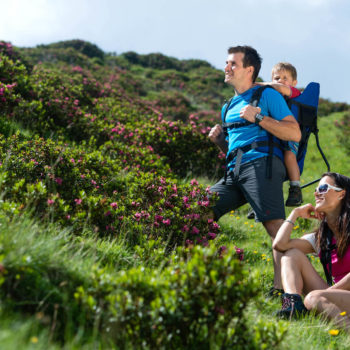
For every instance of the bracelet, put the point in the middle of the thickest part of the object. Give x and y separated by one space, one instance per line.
290 221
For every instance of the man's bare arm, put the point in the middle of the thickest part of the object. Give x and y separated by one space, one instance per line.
286 129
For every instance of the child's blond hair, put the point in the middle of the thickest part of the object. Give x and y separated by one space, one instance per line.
285 66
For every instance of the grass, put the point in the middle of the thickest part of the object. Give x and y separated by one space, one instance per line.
63 263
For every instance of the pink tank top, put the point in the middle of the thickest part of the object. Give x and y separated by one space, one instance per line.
340 267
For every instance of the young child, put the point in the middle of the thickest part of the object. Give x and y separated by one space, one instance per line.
284 80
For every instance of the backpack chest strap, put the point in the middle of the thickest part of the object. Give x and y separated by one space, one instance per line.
239 152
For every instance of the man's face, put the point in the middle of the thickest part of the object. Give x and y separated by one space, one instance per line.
234 70
283 77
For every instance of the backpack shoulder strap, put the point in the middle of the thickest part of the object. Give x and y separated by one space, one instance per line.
226 110
254 101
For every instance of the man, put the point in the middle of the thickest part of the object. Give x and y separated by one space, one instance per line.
251 183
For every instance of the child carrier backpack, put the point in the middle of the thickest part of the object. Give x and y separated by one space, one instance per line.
304 109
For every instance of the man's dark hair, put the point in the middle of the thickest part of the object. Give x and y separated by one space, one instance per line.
251 58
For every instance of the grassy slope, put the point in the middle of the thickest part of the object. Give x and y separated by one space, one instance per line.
311 333
25 333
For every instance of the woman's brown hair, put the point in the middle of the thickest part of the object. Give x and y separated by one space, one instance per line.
343 223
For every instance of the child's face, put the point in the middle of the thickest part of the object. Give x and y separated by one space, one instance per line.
283 77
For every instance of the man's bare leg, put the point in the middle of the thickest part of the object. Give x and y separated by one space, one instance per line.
272 227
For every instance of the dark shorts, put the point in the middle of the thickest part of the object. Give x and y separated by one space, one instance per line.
252 185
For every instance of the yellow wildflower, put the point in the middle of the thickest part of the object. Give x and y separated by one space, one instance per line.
334 332
343 313
34 340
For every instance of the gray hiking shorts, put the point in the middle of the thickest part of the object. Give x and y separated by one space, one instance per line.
252 185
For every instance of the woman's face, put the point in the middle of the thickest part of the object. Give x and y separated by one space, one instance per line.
330 201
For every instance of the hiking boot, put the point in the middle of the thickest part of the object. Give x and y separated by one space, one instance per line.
275 293
295 197
251 213
292 306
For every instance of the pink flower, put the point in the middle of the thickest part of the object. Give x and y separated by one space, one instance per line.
72 160
137 216
166 222
114 205
185 228
194 182
59 180
195 230
211 235
215 225
240 253
196 216
189 242
78 201
185 199
50 201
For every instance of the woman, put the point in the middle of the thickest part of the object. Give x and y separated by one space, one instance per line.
332 208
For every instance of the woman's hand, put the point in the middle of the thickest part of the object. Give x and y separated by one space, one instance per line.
308 211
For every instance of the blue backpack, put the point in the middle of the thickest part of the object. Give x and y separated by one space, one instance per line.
304 108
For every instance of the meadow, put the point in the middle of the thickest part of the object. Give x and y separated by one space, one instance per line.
105 236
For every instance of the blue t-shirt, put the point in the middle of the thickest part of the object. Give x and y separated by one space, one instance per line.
272 104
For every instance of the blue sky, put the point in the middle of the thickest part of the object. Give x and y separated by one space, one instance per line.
314 35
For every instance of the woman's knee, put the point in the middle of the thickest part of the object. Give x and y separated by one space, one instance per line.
313 298
292 254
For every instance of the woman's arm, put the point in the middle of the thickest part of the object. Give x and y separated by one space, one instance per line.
283 240
344 283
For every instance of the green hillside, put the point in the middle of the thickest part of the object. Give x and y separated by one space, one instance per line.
105 236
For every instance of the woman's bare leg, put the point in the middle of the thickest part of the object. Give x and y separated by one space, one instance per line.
331 303
298 274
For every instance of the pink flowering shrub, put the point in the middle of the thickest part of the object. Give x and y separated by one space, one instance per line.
79 188
130 155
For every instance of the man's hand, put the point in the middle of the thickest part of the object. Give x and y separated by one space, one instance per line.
217 136
249 112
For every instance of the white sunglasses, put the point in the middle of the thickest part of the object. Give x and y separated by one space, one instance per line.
324 188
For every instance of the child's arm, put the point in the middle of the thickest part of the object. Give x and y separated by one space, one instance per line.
282 89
